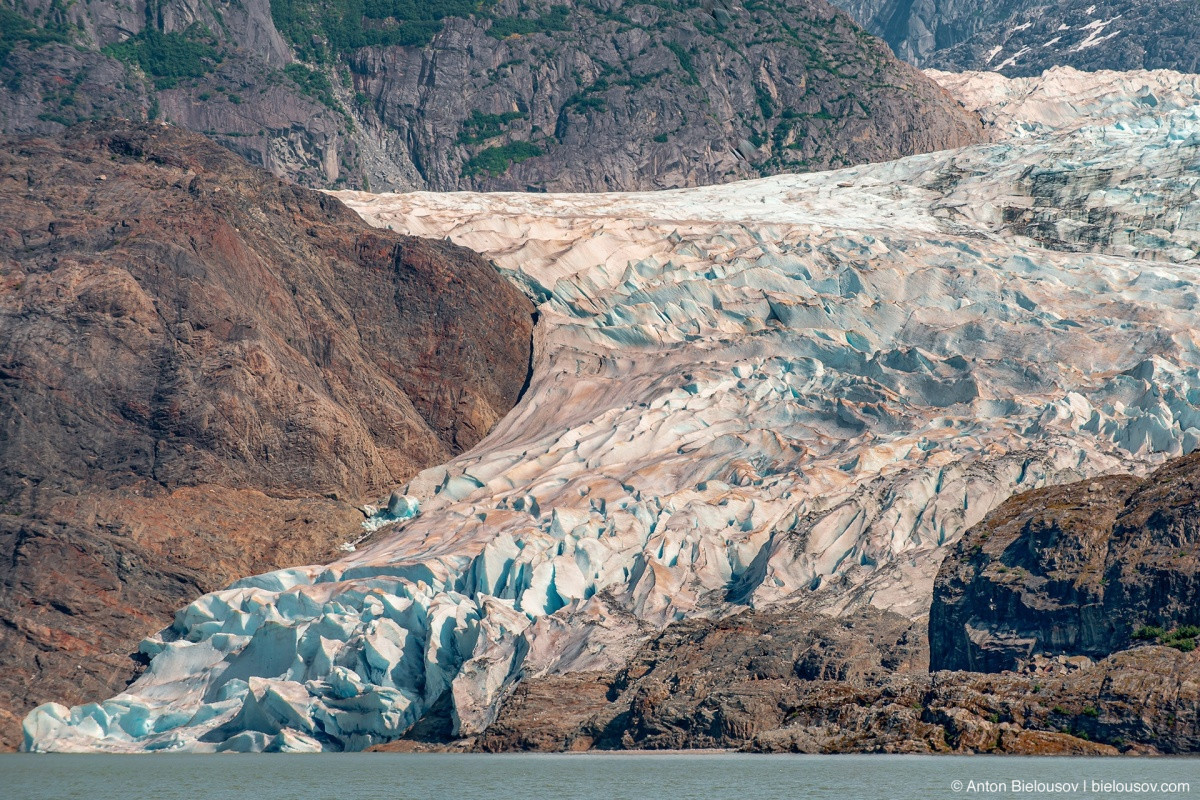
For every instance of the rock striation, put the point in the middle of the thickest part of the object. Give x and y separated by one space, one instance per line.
1072 570
793 394
614 95
202 371
784 682
1025 37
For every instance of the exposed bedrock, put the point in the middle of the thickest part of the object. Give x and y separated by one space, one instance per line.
202 370
1079 569
786 682
633 95
570 96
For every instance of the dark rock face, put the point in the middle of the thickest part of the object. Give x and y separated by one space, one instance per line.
615 95
703 683
1071 570
551 714
1026 37
1140 701
202 369
636 96
769 682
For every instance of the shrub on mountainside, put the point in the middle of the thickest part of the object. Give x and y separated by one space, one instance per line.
553 20
481 127
16 29
343 26
168 57
497 160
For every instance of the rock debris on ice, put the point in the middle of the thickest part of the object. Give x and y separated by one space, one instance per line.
792 390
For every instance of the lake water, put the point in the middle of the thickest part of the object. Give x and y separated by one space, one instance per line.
703 776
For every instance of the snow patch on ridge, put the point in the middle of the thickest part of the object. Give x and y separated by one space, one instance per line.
795 390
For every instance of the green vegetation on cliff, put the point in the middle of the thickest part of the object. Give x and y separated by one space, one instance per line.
16 29
481 127
322 30
1182 638
313 83
496 160
168 57
554 20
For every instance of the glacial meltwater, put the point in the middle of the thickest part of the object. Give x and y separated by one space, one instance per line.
618 776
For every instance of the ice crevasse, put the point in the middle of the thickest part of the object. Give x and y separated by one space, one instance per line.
794 390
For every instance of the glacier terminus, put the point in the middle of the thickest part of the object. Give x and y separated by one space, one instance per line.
788 392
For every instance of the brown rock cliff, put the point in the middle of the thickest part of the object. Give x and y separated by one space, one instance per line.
1072 570
202 370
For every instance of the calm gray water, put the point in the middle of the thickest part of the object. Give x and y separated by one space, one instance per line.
584 777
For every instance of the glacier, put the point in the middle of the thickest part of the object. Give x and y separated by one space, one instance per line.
796 390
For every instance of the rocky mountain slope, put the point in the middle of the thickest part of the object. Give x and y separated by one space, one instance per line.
613 94
1026 37
793 394
1083 569
781 681
202 371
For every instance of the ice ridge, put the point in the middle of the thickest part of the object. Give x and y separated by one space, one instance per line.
796 390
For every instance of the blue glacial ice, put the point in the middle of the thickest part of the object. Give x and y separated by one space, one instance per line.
794 390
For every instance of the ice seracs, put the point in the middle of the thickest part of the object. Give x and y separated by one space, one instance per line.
794 390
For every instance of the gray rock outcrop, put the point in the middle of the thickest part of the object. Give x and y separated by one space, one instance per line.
617 95
1026 37
1084 569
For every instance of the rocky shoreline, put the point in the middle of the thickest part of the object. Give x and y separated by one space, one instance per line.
784 681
